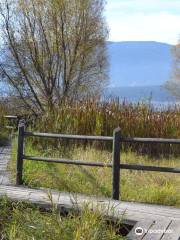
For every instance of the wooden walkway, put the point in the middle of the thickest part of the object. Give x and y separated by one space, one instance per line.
5 156
150 221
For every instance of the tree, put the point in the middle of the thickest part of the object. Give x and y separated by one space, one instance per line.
173 85
54 49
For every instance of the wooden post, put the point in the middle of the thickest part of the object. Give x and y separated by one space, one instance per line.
116 162
20 150
17 122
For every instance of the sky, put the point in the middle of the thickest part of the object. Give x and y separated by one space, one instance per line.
143 20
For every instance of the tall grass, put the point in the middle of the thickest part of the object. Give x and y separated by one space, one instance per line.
92 117
20 221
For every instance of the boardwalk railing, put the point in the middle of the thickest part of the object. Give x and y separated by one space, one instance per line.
116 166
12 121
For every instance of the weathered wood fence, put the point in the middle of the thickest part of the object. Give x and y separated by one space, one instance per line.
12 120
116 165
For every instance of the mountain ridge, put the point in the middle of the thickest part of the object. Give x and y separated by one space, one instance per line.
139 63
156 94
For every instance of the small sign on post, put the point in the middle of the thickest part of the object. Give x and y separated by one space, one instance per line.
116 164
20 152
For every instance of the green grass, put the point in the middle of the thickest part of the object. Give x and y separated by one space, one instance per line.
20 221
150 187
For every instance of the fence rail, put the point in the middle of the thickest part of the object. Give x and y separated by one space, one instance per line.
65 136
12 120
99 164
104 138
116 165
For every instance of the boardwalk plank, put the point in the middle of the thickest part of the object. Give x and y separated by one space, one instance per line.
142 226
5 156
173 231
157 230
115 208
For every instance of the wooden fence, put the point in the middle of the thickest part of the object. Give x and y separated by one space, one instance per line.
116 165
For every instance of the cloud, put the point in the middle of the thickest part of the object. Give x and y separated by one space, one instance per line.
162 26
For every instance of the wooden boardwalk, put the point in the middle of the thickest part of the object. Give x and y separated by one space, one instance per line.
153 222
5 156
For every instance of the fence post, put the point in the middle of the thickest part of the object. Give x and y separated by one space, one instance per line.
115 163
20 150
